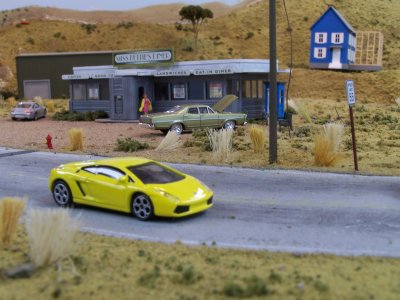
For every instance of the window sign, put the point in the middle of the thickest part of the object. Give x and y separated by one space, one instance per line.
93 92
215 90
178 91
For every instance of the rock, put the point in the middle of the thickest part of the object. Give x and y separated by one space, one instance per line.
21 271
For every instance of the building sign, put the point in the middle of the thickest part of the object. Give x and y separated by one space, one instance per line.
73 77
172 73
213 71
87 76
145 57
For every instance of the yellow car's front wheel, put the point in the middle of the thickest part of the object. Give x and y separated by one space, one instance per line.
142 208
62 193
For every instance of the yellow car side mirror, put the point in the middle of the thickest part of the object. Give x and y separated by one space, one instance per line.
123 179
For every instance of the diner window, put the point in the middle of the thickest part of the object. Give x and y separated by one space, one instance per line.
93 91
233 87
178 91
214 90
79 91
260 89
161 91
196 90
252 89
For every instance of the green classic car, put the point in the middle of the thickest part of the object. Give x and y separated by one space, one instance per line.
192 116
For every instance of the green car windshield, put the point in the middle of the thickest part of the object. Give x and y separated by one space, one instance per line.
175 109
151 173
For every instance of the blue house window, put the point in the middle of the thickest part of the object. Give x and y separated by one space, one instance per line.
319 52
337 38
321 37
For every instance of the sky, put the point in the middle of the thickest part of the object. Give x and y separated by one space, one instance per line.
102 5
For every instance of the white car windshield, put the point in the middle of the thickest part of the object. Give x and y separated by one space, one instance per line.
24 105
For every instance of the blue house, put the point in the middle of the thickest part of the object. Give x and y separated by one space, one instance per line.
333 42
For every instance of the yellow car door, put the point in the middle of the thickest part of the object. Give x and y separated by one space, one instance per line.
106 188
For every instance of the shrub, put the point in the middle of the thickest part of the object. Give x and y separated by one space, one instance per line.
249 35
130 145
75 139
65 115
30 40
10 211
257 137
50 106
57 35
125 25
89 28
51 235
170 142
221 143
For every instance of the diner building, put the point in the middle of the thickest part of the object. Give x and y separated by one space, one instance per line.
119 87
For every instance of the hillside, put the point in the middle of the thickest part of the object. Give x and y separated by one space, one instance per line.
240 33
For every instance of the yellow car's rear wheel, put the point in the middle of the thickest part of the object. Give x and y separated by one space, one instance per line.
142 208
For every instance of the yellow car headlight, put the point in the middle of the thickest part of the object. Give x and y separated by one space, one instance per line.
167 195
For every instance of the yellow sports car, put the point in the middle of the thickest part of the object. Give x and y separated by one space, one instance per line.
134 185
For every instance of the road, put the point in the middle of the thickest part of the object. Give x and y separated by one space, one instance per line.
295 211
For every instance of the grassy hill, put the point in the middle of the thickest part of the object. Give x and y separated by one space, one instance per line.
242 32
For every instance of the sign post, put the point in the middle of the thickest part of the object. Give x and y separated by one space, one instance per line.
351 99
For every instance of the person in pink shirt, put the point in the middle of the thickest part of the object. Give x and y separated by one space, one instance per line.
145 106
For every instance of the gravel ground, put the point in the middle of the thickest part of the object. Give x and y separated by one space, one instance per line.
99 138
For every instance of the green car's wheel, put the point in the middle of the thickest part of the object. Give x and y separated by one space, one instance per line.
177 128
142 208
229 125
164 131
62 193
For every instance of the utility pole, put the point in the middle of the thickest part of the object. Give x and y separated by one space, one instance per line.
273 111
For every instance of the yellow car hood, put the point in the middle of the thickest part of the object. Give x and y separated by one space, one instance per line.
188 189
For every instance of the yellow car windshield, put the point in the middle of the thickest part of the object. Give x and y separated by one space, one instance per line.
151 173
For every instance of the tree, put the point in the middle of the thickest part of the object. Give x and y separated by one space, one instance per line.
196 15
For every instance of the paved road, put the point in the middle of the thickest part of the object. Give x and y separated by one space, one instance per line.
257 209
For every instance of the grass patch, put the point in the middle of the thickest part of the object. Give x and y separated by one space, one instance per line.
221 143
106 268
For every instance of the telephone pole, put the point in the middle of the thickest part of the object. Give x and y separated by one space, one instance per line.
273 111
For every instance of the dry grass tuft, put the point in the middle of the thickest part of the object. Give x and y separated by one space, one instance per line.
221 143
50 106
11 102
397 100
258 137
334 132
170 142
51 235
10 212
302 111
75 139
326 151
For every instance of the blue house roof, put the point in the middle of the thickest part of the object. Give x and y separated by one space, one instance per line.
331 8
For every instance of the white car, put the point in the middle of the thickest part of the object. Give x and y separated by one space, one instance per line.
28 110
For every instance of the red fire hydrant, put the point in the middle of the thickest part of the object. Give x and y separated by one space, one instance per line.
48 141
